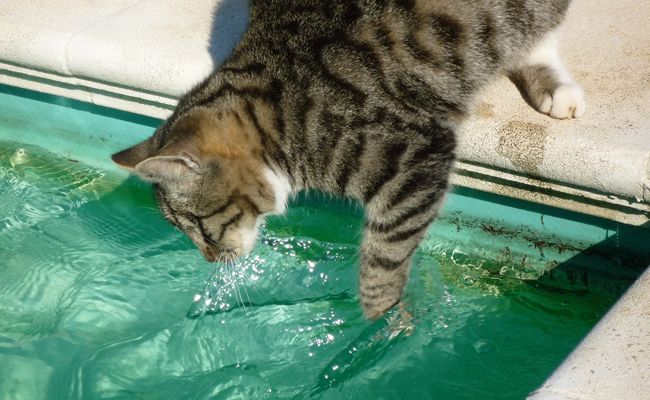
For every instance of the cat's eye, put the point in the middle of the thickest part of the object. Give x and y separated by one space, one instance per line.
194 220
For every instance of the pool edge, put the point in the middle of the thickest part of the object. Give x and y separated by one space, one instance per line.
611 362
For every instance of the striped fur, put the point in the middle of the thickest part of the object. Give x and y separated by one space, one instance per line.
359 98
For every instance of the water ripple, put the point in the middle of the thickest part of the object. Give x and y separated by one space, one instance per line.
95 289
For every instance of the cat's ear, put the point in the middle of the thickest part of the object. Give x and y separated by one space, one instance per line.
167 168
133 156
166 165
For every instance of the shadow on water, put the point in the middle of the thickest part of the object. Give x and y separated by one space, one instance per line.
228 26
572 256
609 267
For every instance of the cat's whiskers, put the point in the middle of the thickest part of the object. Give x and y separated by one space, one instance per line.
238 296
207 239
224 251
242 272
147 211
239 290
188 243
153 209
232 262
253 283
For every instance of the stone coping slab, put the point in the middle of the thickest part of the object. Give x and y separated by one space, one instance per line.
612 362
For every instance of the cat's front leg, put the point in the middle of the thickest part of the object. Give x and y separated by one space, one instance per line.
389 240
546 85
383 274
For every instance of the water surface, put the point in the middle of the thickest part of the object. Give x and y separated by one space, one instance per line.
97 299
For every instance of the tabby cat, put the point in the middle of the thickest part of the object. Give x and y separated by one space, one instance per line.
359 98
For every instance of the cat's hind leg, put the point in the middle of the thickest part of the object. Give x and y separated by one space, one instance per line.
546 85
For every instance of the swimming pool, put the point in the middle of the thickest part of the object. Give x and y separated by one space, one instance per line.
97 291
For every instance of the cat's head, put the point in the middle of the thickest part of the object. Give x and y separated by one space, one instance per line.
210 180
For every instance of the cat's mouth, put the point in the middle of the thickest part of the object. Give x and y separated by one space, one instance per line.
229 250
210 253
213 253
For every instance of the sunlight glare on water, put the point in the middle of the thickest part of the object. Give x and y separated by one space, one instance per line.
101 298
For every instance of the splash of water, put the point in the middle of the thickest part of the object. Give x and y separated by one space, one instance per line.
220 292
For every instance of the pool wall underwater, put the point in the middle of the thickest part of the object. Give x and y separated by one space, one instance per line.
550 236
511 239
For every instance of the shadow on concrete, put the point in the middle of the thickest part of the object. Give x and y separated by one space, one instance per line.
228 26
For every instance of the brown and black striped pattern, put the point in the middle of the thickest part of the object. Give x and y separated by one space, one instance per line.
354 97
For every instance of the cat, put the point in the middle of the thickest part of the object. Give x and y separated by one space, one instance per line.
358 98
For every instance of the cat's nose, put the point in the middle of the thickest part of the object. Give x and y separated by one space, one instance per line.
209 252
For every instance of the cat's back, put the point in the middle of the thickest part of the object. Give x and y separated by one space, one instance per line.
394 45
294 23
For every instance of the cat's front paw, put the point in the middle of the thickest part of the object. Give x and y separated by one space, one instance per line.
377 308
568 101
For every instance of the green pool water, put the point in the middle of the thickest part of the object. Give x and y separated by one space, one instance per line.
97 291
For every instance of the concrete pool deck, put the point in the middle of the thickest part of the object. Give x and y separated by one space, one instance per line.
612 362
141 55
